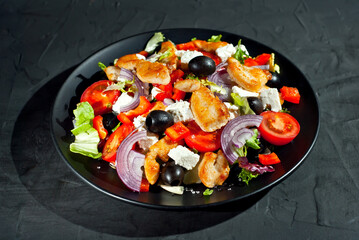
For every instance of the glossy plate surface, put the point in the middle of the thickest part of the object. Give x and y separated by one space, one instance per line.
99 175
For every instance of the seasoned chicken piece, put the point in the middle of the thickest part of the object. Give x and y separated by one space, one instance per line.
249 78
158 150
129 61
153 72
213 169
170 58
208 111
208 46
187 85
112 72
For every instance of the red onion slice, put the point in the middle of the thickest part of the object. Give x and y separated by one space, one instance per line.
222 78
230 130
240 137
168 101
129 162
128 75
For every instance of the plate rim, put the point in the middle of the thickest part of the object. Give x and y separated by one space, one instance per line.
183 207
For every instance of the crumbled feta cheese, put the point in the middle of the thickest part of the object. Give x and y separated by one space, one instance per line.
140 56
226 51
270 97
146 143
184 157
180 111
154 92
187 55
233 110
123 100
244 93
139 122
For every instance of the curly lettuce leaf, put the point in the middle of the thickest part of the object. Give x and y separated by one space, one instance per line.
253 142
242 104
86 137
154 42
246 175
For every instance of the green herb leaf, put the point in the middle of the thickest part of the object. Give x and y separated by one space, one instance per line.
193 39
242 151
240 55
208 192
114 129
285 110
214 87
253 142
246 175
215 38
102 66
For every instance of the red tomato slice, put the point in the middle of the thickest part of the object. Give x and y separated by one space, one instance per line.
215 58
100 100
278 128
202 141
290 94
114 141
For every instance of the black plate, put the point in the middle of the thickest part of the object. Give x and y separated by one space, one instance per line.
99 175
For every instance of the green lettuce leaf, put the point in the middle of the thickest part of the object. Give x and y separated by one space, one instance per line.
156 39
86 137
242 104
240 55
253 142
208 192
215 38
246 175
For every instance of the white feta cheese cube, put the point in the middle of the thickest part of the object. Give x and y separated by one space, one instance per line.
139 122
233 110
184 157
244 93
123 100
270 97
187 55
226 51
154 92
146 143
140 56
180 111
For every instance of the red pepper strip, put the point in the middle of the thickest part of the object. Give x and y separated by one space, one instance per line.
176 75
187 46
114 141
262 59
98 125
215 58
145 185
178 94
142 108
143 53
122 117
249 62
290 94
177 132
268 159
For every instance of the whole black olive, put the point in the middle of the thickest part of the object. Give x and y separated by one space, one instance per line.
172 174
202 66
255 104
110 121
275 81
158 121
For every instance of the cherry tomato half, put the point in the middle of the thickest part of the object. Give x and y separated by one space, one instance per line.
202 141
100 100
278 128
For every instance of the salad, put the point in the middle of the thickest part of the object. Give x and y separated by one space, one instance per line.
177 114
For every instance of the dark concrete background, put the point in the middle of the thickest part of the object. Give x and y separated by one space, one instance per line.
41 42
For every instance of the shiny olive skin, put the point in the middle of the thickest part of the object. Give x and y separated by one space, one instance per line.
110 121
275 81
202 66
172 174
255 104
158 121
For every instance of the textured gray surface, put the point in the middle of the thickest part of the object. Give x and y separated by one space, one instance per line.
41 42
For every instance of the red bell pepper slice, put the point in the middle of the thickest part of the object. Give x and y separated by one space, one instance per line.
98 125
122 117
215 58
142 108
263 59
187 46
178 94
145 185
250 62
176 75
143 53
290 94
177 132
268 159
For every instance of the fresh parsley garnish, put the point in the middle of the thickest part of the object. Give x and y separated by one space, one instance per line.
208 192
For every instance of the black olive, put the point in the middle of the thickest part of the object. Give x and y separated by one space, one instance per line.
172 174
275 81
202 66
158 121
110 121
255 104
